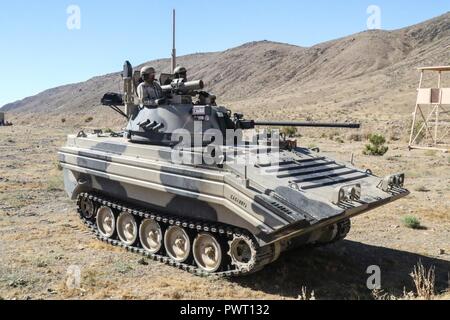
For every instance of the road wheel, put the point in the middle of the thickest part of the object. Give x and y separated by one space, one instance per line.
151 236
207 252
106 222
177 244
127 229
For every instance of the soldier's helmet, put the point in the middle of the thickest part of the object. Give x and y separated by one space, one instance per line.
146 71
180 72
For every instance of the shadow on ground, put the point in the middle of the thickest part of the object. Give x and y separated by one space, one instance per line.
339 271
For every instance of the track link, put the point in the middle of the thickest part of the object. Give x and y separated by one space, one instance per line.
224 233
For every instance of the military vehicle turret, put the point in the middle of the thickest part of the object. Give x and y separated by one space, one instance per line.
182 185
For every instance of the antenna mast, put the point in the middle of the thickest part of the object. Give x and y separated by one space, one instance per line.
174 50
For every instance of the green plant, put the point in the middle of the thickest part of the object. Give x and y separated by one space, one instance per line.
376 146
411 222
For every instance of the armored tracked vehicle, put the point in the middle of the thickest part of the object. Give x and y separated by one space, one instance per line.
182 185
171 188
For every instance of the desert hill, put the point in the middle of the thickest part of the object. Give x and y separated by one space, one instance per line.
348 77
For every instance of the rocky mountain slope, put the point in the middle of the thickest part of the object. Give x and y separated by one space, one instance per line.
372 69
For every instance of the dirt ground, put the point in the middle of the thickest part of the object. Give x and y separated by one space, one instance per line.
41 236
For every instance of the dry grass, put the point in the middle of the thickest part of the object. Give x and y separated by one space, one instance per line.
305 295
424 280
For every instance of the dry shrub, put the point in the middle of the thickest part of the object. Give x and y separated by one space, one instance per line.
424 280
305 296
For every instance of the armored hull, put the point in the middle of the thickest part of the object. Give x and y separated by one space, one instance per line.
233 218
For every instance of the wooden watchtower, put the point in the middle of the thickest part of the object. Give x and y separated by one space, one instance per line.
431 119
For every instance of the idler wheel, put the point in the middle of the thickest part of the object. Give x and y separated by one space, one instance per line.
106 222
151 236
242 253
207 252
177 243
87 208
127 228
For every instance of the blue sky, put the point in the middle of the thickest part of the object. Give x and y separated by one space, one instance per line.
38 51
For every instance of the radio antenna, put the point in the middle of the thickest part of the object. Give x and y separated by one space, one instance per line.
174 50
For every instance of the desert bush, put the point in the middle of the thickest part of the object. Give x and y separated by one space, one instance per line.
88 119
424 280
63 120
411 222
305 296
376 146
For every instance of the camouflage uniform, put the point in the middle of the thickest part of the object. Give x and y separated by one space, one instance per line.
148 93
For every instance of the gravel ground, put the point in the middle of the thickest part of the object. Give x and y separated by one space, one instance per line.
42 240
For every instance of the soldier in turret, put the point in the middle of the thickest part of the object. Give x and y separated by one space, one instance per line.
180 73
149 91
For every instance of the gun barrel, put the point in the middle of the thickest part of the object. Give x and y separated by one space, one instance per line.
308 124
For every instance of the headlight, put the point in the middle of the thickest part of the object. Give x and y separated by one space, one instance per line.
347 193
394 181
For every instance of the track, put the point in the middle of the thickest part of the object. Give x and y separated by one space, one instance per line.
227 236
